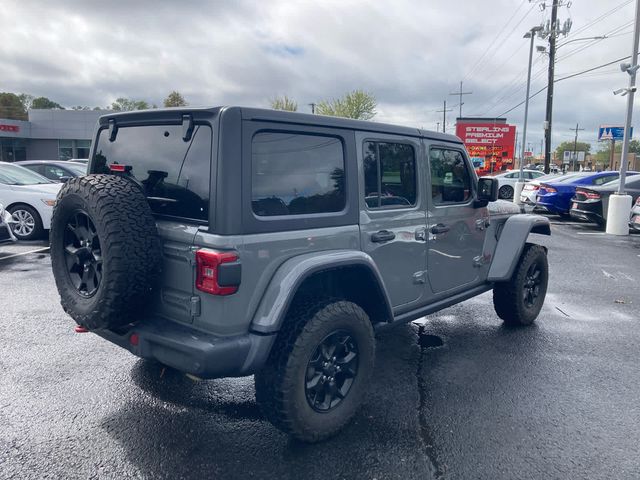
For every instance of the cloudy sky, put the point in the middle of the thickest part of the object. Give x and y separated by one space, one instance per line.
409 53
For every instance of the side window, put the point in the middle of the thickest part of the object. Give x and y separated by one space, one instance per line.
450 177
389 175
511 175
604 179
296 174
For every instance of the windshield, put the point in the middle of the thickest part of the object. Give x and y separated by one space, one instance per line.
175 174
16 175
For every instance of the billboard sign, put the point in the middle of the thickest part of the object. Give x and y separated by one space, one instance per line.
490 145
612 132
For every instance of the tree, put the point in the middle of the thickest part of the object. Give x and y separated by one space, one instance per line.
123 104
45 104
26 100
11 107
175 99
568 146
284 103
357 104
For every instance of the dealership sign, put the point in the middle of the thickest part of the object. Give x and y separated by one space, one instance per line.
9 128
612 132
490 145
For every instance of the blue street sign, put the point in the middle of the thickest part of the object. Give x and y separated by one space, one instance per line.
612 132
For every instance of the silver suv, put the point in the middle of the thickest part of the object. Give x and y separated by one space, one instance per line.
236 241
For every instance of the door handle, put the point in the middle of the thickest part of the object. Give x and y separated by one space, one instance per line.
439 228
382 236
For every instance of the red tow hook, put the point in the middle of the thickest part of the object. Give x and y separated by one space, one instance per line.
80 329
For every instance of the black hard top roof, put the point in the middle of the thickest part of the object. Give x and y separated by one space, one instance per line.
269 115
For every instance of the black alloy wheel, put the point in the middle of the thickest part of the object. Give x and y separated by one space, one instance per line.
331 371
531 288
82 254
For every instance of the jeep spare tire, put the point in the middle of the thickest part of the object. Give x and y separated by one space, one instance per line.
105 250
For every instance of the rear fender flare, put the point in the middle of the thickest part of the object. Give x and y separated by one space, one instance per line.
293 272
513 238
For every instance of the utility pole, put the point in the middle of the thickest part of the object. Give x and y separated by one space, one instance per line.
313 108
437 126
552 31
550 79
460 94
575 147
444 116
612 155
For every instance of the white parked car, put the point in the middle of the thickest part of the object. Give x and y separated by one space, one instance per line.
29 197
507 181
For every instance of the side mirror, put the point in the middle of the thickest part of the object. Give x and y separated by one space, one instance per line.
487 190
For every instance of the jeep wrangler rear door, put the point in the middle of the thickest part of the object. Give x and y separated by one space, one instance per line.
455 226
393 218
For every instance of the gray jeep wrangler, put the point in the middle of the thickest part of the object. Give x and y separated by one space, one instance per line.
236 241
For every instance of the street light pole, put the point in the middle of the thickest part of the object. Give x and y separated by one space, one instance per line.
520 183
619 203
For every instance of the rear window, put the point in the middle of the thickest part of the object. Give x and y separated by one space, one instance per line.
175 174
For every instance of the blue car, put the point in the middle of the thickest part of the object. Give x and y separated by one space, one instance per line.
555 196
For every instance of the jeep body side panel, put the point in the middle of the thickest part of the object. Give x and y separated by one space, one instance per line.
511 243
401 260
284 284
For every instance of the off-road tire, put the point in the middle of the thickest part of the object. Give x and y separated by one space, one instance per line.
129 247
505 192
280 385
38 230
509 297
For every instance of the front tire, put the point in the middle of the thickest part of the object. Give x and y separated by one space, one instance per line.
505 192
28 224
519 301
319 369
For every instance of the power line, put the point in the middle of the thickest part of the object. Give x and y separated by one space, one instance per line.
479 60
460 94
565 78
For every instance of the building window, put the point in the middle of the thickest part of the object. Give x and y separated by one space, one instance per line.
82 148
65 149
12 150
294 174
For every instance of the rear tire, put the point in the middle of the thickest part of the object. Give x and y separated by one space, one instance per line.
518 301
319 369
505 192
29 223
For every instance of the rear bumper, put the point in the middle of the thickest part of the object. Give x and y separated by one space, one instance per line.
586 216
191 351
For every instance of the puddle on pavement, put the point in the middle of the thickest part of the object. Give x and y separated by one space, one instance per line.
426 340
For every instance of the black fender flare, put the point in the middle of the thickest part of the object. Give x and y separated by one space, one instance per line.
293 272
513 238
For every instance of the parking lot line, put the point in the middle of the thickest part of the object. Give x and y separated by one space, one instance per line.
25 253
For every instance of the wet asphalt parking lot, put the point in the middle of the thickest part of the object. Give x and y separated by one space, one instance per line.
455 396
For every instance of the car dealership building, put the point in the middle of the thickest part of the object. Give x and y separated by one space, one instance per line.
48 135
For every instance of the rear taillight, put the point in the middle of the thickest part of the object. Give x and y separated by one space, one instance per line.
549 189
531 188
638 201
589 195
218 273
